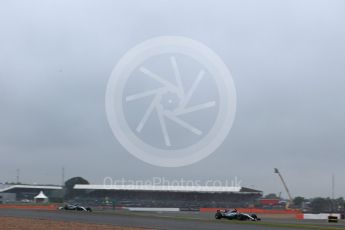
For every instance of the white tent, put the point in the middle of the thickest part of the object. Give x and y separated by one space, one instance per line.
41 198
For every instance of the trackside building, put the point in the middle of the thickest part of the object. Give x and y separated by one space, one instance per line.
168 196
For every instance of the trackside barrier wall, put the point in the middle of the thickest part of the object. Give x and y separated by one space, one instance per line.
320 216
31 207
138 209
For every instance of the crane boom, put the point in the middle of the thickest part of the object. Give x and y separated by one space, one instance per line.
285 186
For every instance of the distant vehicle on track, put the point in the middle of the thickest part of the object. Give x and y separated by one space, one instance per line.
75 207
235 215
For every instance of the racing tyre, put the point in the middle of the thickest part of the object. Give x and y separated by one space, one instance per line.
218 216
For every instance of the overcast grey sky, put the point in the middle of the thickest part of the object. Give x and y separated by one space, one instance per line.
287 59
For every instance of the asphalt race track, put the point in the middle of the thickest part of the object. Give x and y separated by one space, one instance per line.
132 220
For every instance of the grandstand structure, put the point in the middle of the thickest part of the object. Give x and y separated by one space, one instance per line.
185 197
28 192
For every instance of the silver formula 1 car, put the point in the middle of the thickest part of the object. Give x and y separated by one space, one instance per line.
75 207
235 215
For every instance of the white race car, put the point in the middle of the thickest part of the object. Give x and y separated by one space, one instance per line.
75 208
235 215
